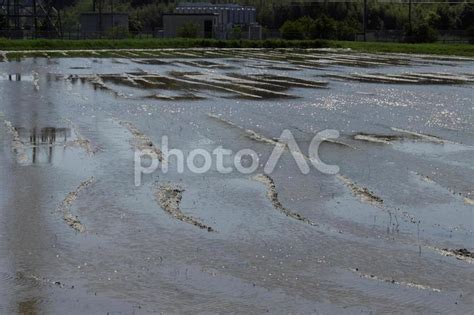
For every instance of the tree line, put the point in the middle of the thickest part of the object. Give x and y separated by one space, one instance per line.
342 20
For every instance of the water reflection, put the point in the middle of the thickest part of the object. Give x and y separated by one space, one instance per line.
42 142
16 77
25 213
27 307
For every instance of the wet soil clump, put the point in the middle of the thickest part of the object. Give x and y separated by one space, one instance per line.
272 195
169 198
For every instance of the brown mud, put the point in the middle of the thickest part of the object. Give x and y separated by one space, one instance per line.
282 81
394 282
461 254
272 195
65 206
169 198
402 134
363 193
249 86
251 134
420 136
81 141
18 147
407 78
468 201
141 141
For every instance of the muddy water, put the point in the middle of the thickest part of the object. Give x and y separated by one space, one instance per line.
77 236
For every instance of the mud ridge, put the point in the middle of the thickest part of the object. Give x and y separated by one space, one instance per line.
98 82
369 197
18 147
65 207
427 179
258 137
169 198
179 77
141 141
421 136
253 87
243 87
227 87
363 193
290 81
151 61
468 201
253 135
407 78
393 281
36 80
460 254
272 195
373 138
80 141
248 132
340 143
403 135
206 64
441 78
46 281
182 97
23 279
83 143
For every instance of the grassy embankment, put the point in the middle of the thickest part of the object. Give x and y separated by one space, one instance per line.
466 50
17 48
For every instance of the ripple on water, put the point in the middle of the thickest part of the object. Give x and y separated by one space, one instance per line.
21 279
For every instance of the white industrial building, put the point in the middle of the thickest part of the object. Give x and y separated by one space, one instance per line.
227 18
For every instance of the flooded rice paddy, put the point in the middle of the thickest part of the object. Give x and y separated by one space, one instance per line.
392 232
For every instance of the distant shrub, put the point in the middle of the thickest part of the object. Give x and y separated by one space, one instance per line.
188 30
470 33
422 33
324 27
236 33
292 30
346 31
117 32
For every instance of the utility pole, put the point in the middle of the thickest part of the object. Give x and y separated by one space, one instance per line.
409 16
8 15
16 13
365 20
35 18
100 18
112 12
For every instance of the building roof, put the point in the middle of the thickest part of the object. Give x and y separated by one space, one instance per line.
206 5
104 13
206 14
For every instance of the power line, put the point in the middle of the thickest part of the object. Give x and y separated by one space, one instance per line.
318 2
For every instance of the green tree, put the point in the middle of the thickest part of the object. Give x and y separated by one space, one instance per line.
325 27
117 32
148 17
422 33
236 33
292 30
347 30
188 30
3 22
